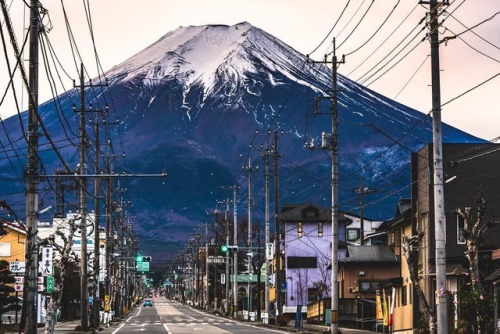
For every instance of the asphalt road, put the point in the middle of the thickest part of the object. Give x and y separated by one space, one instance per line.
175 318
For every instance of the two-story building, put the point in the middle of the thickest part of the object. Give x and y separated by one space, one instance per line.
307 256
469 170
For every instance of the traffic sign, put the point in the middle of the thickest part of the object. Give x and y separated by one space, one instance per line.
142 266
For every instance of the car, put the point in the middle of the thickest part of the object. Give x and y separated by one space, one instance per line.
147 303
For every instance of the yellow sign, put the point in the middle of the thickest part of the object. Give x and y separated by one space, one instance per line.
106 303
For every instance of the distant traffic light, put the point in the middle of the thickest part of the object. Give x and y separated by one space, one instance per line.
227 248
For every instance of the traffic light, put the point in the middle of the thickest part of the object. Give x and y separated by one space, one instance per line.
227 248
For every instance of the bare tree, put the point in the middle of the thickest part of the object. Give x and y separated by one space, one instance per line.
323 285
64 260
410 250
301 285
473 233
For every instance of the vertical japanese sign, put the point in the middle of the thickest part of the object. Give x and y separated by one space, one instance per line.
46 262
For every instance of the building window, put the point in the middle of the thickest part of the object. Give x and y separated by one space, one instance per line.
352 234
312 294
320 230
298 262
369 286
4 249
410 294
392 238
300 231
460 230
404 295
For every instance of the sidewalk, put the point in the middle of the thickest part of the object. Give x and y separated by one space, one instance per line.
70 327
290 327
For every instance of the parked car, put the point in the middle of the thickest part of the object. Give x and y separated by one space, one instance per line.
147 303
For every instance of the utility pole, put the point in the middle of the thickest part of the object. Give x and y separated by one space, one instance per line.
32 179
97 213
235 254
335 200
82 171
266 232
362 191
249 254
331 142
97 229
226 307
439 216
207 269
277 227
109 240
119 306
83 210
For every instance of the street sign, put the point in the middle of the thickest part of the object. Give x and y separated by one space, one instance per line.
17 267
269 251
142 266
50 284
19 283
45 264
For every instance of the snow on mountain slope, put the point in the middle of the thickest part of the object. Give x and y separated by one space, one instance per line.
199 54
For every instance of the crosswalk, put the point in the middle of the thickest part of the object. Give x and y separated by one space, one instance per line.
180 320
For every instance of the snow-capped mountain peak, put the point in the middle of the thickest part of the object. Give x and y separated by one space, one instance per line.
202 54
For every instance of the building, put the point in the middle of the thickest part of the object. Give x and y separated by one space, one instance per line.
469 170
307 251
365 270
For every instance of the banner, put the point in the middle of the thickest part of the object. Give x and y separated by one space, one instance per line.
391 311
378 307
384 306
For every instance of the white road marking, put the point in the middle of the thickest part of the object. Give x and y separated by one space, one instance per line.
166 328
116 330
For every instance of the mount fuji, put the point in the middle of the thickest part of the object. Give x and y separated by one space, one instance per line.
191 104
